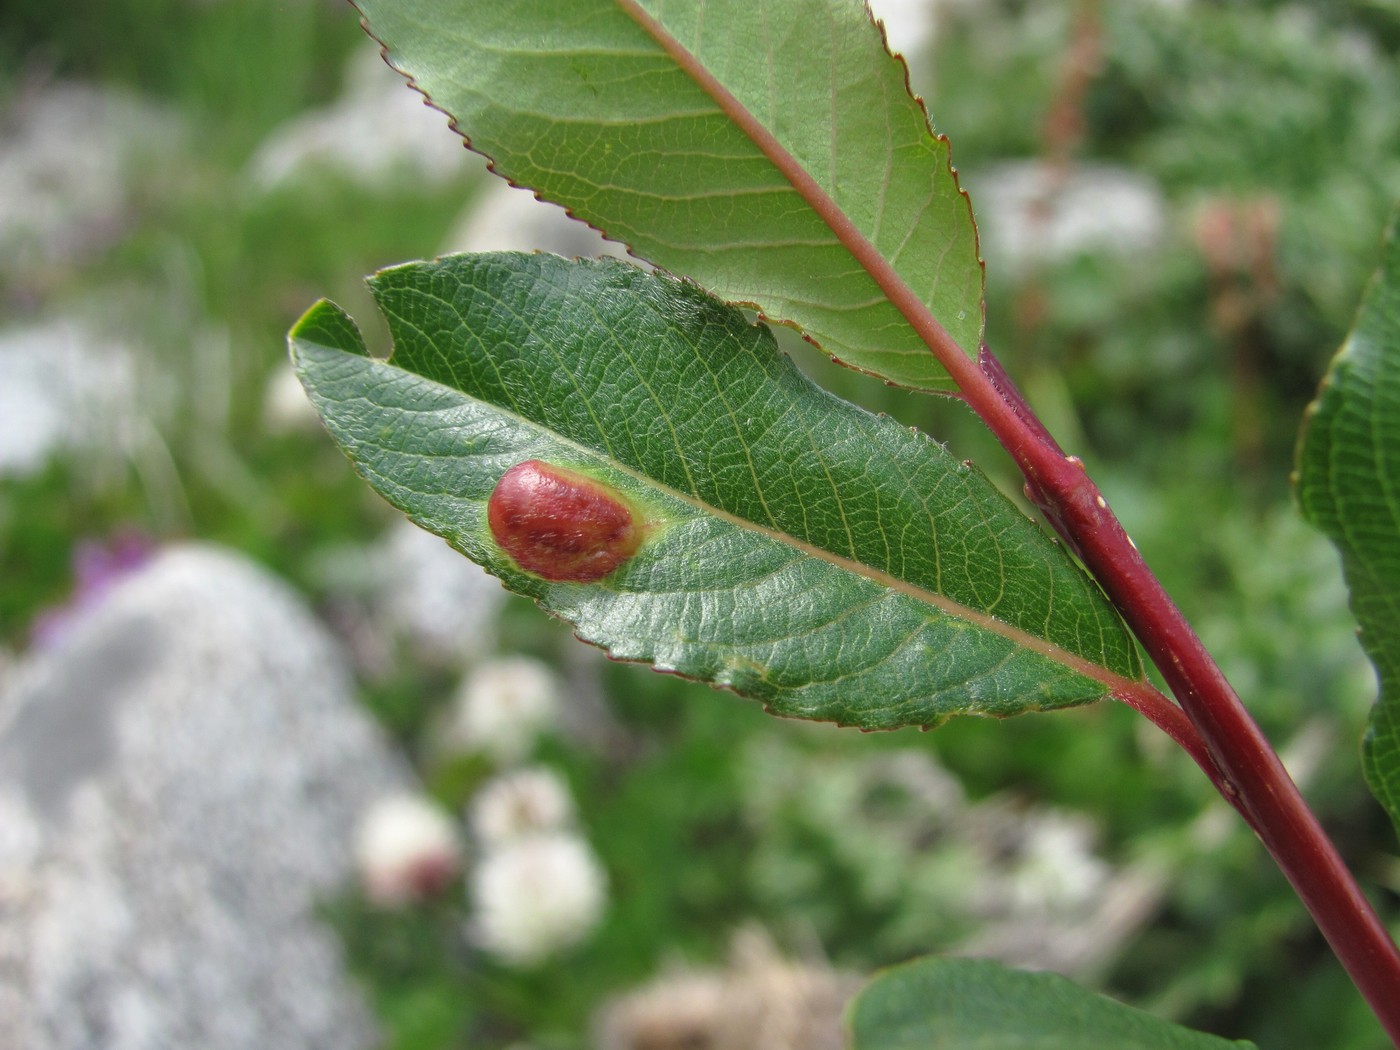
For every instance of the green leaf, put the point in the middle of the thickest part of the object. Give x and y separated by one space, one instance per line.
798 550
974 1004
1348 485
687 131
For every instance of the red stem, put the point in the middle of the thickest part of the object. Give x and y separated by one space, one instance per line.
1253 779
1263 790
1249 774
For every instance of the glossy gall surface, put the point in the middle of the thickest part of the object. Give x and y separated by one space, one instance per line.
559 524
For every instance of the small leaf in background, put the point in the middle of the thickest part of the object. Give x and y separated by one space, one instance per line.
1348 485
578 101
975 1004
783 543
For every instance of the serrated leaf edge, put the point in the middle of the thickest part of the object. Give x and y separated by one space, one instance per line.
897 292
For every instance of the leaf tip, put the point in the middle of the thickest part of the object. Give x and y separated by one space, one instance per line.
324 326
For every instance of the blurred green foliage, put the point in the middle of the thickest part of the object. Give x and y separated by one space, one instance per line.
1179 373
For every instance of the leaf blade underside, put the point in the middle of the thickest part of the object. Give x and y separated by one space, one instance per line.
1348 485
579 101
800 551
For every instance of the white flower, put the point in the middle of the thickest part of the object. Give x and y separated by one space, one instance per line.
1037 218
502 706
73 159
286 408
376 132
519 804
1058 871
910 25
536 896
67 386
444 603
406 849
505 218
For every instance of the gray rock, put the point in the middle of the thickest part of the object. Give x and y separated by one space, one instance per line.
72 157
179 780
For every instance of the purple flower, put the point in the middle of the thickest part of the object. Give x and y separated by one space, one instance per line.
97 567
